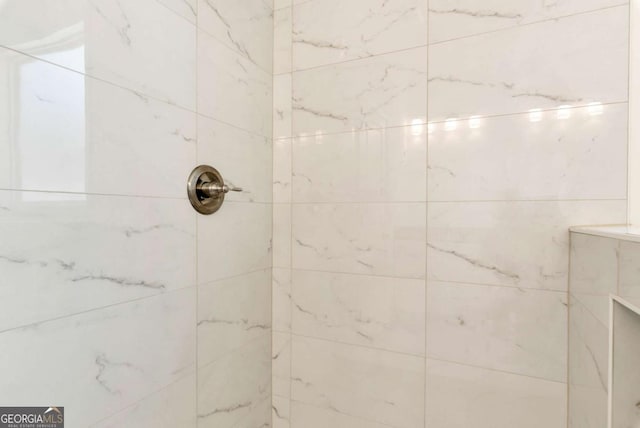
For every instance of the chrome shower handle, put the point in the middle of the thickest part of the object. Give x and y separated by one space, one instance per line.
206 189
213 189
227 189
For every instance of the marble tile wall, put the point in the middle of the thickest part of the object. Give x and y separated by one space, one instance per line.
119 302
600 266
429 157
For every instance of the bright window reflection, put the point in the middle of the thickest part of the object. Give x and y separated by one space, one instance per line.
451 124
535 115
564 112
417 127
50 134
595 109
474 122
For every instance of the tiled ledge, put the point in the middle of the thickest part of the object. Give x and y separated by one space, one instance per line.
620 231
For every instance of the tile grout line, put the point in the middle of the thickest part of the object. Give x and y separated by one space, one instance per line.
568 318
461 201
290 199
197 221
512 28
426 231
420 357
130 89
528 24
146 397
273 215
407 278
96 309
302 135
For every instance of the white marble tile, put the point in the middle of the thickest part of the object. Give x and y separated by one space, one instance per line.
594 268
180 397
233 241
377 239
281 364
625 374
246 27
587 407
377 92
184 8
282 40
279 4
377 385
259 417
282 235
231 313
282 171
378 312
522 244
91 136
281 298
502 328
378 165
231 88
244 159
629 270
460 396
235 386
582 156
281 415
459 18
282 106
155 47
331 31
84 252
545 65
588 368
304 415
596 305
96 363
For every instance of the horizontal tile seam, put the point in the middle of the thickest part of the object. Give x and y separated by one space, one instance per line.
485 284
560 383
100 79
146 397
194 110
391 202
122 195
303 134
542 21
295 71
358 345
100 308
445 283
479 201
414 278
239 275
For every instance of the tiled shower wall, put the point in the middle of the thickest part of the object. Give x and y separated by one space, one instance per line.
429 157
118 301
601 266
